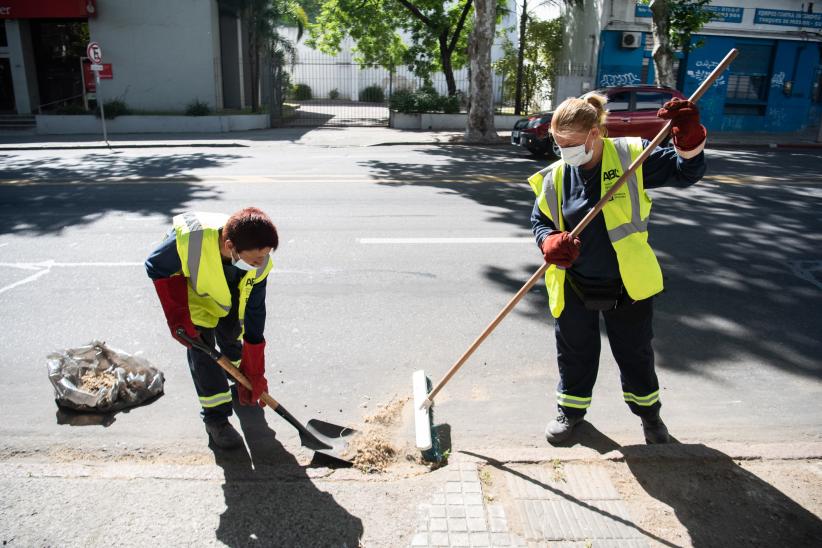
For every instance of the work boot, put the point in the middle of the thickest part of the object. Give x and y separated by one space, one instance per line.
559 429
655 430
224 435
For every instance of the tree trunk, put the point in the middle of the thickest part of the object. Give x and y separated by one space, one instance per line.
254 68
445 60
523 23
663 54
481 112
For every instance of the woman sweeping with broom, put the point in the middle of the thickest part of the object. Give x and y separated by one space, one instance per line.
611 270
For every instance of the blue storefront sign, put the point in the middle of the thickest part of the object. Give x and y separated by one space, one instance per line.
771 86
788 18
722 14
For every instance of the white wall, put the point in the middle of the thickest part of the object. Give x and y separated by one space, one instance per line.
163 52
577 67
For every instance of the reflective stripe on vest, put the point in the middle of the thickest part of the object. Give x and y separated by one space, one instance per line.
196 234
626 220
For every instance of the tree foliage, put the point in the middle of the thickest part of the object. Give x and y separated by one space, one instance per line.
543 44
688 17
673 24
437 32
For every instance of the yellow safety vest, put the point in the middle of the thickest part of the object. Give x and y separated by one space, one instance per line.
626 219
198 245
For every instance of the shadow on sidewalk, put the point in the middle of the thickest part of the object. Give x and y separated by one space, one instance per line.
718 501
270 501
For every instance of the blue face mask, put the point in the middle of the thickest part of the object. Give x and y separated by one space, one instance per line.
241 264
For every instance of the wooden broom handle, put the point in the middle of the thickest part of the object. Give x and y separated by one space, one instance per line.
703 87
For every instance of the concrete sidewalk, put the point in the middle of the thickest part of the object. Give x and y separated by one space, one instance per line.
677 495
334 137
592 494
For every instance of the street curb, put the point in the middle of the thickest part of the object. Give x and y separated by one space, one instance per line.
684 450
450 143
104 147
764 145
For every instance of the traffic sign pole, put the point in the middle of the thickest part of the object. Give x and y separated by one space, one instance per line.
95 54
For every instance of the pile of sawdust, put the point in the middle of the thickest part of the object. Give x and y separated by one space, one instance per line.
372 452
372 448
94 380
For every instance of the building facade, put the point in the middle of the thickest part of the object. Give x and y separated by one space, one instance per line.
774 85
162 54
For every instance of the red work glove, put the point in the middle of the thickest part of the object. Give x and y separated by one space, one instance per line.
173 293
687 131
560 249
253 367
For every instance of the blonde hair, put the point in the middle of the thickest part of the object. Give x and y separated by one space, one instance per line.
580 114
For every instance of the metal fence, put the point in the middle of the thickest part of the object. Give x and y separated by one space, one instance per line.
322 91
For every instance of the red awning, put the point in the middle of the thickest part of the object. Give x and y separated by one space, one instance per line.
52 9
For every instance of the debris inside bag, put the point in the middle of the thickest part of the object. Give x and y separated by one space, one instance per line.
97 378
92 381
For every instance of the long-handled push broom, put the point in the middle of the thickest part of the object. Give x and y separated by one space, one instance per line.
427 440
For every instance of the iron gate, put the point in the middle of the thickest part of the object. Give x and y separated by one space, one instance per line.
328 93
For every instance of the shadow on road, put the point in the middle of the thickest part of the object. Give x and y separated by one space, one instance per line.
270 501
742 267
71 193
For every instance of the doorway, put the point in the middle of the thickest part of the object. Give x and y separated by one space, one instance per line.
7 104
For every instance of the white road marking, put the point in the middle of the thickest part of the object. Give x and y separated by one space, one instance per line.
49 264
44 267
31 278
523 240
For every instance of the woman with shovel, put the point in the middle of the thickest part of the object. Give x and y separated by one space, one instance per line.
611 270
210 275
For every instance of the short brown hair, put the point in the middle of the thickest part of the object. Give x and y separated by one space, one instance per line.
580 114
250 228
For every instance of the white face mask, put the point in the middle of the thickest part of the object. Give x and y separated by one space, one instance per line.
241 264
576 156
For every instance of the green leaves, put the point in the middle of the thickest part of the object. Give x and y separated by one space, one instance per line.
688 17
437 30
543 44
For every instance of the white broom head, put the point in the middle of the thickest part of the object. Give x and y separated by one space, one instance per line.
422 413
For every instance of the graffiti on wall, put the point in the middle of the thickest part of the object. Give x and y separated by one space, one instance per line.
625 79
778 80
703 70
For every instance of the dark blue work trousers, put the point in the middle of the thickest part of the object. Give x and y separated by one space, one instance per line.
629 329
210 380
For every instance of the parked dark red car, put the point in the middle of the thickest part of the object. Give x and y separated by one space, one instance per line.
632 112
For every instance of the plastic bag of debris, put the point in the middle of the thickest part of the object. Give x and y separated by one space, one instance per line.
100 379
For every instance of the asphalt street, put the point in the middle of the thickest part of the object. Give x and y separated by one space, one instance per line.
393 259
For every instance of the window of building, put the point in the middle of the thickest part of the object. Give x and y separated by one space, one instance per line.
817 86
4 43
749 77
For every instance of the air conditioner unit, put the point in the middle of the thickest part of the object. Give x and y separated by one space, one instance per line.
631 39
